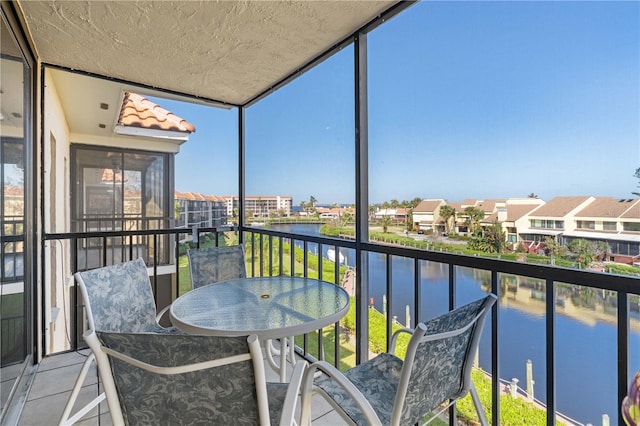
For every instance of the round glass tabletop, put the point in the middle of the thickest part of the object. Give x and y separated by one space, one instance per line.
271 307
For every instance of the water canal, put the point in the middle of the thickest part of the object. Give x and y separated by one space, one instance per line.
585 345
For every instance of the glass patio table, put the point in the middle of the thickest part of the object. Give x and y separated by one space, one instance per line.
270 307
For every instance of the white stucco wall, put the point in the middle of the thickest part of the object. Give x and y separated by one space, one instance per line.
56 293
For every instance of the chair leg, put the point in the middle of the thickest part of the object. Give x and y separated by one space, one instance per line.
65 420
478 405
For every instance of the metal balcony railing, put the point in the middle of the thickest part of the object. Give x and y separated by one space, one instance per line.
271 252
552 285
12 252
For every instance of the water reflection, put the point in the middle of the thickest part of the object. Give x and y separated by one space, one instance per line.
586 327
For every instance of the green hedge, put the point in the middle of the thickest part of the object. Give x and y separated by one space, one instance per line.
513 411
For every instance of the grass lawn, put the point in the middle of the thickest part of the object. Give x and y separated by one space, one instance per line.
514 411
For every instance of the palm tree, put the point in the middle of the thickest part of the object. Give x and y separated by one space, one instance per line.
311 204
475 215
601 249
584 250
409 221
386 222
554 247
532 195
637 175
346 218
496 237
447 212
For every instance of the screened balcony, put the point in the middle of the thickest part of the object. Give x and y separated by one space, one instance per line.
379 115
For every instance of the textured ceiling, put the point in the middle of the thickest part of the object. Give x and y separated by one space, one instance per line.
228 51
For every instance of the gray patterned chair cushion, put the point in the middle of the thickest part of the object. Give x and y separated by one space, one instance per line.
377 379
224 395
438 370
210 265
436 376
121 298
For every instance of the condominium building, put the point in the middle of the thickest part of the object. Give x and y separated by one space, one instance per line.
262 205
197 210
530 221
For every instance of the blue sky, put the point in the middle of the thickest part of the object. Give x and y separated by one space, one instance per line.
466 100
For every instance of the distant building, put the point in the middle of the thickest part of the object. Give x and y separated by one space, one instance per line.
553 218
613 221
261 206
513 215
398 215
333 212
426 216
202 211
530 221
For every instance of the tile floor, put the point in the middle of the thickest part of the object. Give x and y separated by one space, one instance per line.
57 374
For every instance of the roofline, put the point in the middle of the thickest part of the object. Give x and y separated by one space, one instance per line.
374 23
145 87
366 28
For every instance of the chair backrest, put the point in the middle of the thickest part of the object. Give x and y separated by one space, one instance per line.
437 365
210 265
181 379
119 298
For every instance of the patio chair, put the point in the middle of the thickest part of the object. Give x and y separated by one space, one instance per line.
117 298
214 264
155 379
389 391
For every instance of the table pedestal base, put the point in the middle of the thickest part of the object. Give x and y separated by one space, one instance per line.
286 350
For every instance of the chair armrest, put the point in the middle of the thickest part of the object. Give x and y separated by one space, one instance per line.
328 369
161 313
394 338
291 398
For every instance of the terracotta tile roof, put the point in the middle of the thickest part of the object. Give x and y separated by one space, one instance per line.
13 191
191 196
108 175
559 206
259 197
138 111
609 207
132 193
